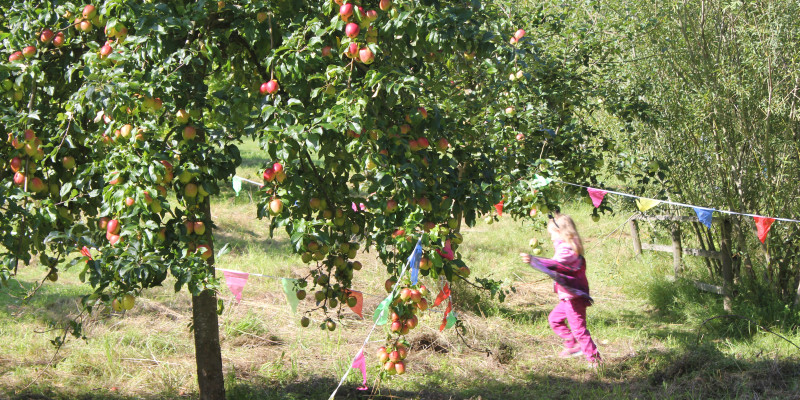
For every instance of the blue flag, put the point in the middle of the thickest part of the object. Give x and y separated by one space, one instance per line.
704 215
413 260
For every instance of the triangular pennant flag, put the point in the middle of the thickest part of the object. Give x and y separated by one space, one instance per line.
291 294
85 252
237 184
446 251
443 295
597 196
359 301
236 282
646 204
413 260
360 363
763 224
704 215
381 315
451 320
499 208
446 313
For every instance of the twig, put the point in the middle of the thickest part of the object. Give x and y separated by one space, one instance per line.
744 318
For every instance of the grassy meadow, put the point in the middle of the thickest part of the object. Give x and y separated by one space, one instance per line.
647 327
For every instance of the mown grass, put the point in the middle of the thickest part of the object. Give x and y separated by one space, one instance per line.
647 327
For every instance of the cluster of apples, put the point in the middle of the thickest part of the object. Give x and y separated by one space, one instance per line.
123 303
536 246
392 357
27 149
112 227
518 35
357 20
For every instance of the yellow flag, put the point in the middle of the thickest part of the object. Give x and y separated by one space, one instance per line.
646 204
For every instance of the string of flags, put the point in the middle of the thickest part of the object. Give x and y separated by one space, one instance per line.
704 214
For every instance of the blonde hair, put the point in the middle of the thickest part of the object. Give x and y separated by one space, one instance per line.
565 227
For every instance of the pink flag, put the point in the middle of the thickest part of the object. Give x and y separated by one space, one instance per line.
596 195
236 282
359 301
499 208
447 251
763 224
360 363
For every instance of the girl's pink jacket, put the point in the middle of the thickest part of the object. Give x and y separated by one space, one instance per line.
568 270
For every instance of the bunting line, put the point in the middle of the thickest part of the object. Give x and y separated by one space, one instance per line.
249 181
374 325
679 204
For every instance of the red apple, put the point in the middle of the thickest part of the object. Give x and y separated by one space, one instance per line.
405 294
389 367
520 136
68 162
371 15
37 185
512 41
112 227
351 30
147 197
397 326
29 135
19 178
391 206
129 201
394 316
46 36
190 190
189 133
116 179
269 174
389 285
29 51
366 56
394 356
400 368
346 11
272 87
442 144
326 51
277 167
89 11
103 223
405 128
15 56
199 228
189 227
182 116
85 25
385 5
59 40
106 50
206 251
352 50
415 296
275 206
402 351
423 143
261 16
519 34
423 112
113 239
383 356
15 164
423 304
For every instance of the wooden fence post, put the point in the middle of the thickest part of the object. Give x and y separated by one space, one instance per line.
637 244
677 251
727 263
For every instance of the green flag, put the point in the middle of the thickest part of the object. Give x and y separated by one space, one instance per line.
451 320
381 315
237 184
291 295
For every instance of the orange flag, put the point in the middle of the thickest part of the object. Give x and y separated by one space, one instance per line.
446 312
443 295
499 208
359 302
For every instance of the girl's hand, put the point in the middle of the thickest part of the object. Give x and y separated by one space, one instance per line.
526 258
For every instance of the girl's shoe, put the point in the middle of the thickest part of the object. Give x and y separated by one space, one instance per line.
595 362
571 352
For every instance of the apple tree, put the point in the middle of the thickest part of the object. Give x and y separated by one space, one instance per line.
383 121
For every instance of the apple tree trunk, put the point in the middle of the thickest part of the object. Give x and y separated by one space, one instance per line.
206 330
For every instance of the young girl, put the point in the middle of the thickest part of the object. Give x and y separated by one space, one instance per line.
568 269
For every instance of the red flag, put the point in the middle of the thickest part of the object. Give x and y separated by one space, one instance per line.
499 208
443 295
447 251
446 312
86 253
359 301
763 224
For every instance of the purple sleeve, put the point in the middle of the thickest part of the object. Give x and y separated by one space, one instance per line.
567 282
